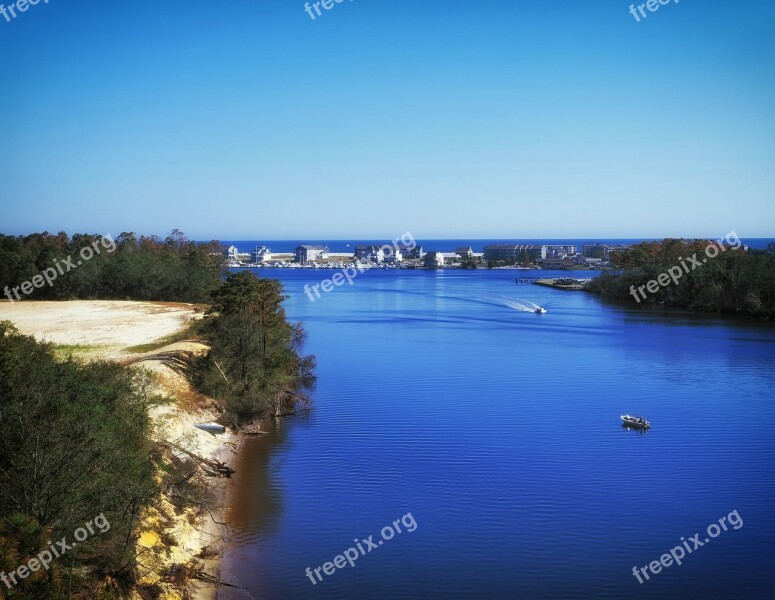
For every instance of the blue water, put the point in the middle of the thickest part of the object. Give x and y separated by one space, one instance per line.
498 429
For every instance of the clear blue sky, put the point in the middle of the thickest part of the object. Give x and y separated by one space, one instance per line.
503 118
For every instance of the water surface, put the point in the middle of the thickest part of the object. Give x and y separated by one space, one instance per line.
498 430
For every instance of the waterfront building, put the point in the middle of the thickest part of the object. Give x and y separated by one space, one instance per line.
433 259
310 252
262 255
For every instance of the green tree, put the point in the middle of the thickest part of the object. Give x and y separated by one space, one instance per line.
254 366
736 281
138 268
74 446
468 262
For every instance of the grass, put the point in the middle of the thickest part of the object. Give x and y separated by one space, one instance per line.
62 351
184 334
159 400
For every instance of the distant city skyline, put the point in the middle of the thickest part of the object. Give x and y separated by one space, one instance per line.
482 120
349 244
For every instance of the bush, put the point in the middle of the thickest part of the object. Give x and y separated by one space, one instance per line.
253 367
74 447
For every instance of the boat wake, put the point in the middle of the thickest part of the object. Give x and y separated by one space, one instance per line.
505 302
501 301
518 304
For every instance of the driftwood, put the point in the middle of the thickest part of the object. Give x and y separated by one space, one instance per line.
213 468
253 430
222 373
286 403
207 578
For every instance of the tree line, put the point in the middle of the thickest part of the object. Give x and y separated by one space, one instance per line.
173 269
736 281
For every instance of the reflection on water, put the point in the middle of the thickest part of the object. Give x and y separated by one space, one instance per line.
254 496
255 502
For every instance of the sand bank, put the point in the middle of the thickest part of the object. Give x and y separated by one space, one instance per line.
108 330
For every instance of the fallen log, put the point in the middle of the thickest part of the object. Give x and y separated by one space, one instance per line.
213 468
207 578
255 430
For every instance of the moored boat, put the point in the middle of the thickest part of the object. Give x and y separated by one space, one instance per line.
212 428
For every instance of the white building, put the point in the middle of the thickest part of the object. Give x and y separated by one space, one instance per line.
434 259
394 255
374 254
262 255
379 254
308 253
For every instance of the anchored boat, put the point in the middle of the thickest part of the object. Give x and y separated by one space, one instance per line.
635 422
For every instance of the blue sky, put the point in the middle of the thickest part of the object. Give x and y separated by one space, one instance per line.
513 119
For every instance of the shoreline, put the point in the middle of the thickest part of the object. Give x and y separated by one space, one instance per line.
218 533
247 493
201 533
570 285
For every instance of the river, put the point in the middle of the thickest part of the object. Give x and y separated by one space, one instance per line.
497 429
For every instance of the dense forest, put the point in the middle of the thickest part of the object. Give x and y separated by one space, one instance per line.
77 451
74 447
87 266
706 276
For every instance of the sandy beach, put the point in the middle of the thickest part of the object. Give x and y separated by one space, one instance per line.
112 325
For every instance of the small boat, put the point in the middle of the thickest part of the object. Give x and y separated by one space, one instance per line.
540 310
635 422
212 428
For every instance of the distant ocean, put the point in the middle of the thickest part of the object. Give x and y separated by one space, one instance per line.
446 245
